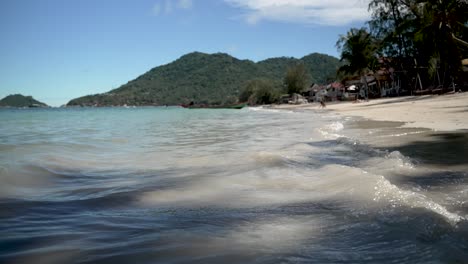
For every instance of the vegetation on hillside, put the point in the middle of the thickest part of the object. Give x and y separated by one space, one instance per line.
18 100
206 79
296 79
261 91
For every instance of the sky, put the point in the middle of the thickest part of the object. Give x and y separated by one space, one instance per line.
57 50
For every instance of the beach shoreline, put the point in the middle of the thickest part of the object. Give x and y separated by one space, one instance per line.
435 112
430 129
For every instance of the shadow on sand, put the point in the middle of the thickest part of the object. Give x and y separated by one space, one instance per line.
400 100
450 148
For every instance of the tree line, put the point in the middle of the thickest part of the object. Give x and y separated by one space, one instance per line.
267 91
416 38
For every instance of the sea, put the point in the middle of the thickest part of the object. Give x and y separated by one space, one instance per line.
256 185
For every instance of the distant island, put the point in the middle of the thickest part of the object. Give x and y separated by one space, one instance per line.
212 79
18 100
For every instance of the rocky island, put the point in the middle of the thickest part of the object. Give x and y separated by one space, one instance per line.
19 100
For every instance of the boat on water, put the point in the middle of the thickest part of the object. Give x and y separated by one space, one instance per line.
203 106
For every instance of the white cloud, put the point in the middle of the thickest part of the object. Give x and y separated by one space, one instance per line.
329 12
185 4
157 9
168 6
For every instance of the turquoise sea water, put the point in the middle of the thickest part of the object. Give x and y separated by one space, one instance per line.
172 185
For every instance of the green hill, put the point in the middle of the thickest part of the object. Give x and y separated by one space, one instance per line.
205 78
18 100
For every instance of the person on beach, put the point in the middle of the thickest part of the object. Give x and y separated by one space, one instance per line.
322 104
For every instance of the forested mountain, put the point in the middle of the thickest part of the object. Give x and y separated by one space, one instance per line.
205 78
18 100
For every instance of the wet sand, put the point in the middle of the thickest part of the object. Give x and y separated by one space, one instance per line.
436 149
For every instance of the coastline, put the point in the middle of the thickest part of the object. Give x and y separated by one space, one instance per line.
435 112
432 130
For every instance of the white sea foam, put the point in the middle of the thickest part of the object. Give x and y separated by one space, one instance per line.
336 126
402 160
330 131
270 110
381 161
385 191
402 134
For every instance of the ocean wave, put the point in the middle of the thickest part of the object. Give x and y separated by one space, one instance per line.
329 131
402 160
269 159
376 161
396 197
214 185
399 160
23 180
270 110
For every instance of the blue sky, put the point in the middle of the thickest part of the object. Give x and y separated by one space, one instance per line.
57 50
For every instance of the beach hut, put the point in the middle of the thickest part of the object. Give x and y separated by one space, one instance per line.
336 91
309 93
350 93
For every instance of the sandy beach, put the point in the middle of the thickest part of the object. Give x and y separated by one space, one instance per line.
436 112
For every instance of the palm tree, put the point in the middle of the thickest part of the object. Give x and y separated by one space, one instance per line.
422 32
440 21
358 51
